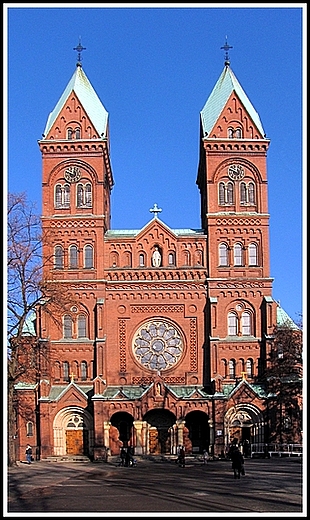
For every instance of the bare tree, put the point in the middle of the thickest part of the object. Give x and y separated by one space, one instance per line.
284 378
30 285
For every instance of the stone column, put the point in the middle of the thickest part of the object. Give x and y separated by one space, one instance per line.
180 438
138 435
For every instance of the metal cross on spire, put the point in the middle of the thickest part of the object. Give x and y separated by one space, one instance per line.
226 48
155 210
79 48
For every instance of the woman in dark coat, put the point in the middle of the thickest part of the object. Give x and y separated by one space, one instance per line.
237 462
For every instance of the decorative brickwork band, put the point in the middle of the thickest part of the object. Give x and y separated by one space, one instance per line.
122 344
193 345
157 309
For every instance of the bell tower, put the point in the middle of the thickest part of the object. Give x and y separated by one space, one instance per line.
232 179
76 187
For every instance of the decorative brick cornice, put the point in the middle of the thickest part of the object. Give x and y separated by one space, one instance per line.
240 285
160 309
121 286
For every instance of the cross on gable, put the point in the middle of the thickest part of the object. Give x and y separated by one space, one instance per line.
155 210
72 376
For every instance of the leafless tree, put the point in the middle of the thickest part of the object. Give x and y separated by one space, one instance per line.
28 288
284 379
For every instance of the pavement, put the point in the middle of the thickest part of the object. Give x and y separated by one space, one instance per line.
160 486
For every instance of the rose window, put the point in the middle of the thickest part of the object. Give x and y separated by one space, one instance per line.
157 345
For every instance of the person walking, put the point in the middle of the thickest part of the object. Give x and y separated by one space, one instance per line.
129 456
182 457
123 456
28 454
205 457
237 462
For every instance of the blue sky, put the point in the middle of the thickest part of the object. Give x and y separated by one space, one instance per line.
153 66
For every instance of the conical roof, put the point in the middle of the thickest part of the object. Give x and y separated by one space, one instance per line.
87 96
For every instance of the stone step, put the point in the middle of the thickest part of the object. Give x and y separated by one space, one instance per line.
67 458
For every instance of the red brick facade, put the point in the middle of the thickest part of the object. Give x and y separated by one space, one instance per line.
154 354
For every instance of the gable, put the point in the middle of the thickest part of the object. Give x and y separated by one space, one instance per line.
72 115
234 115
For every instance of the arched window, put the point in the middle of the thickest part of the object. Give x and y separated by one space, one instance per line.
249 367
83 370
232 369
223 254
243 193
58 196
88 196
62 196
88 257
66 195
230 133
252 254
65 370
232 324
73 257
224 362
29 429
238 255
238 133
221 193
69 133
171 259
59 257
127 259
82 326
141 260
230 193
79 195
67 332
77 133
251 193
246 323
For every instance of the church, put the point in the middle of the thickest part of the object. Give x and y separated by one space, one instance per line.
169 331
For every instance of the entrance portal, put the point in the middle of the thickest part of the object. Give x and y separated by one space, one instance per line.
159 434
198 427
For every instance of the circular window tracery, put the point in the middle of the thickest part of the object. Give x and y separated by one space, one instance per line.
158 345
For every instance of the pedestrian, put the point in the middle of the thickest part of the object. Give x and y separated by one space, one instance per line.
205 457
129 456
123 456
182 457
237 462
28 454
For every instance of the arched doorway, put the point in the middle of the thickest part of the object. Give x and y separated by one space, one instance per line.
245 423
123 421
197 424
73 432
160 422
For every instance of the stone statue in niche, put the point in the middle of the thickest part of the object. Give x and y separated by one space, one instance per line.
156 257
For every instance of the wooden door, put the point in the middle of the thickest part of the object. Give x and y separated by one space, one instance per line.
74 442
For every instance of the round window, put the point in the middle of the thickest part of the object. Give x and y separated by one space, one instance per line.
158 345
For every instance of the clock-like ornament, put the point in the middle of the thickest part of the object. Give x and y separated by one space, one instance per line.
72 174
235 172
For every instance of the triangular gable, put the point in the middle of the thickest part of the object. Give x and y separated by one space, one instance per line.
246 389
72 392
71 112
155 227
251 130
